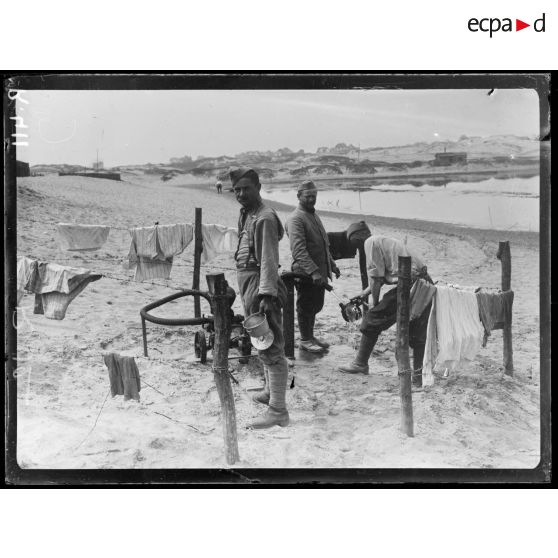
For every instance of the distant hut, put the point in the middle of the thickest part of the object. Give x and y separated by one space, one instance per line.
450 158
22 169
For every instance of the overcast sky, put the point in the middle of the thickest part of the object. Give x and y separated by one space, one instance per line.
136 127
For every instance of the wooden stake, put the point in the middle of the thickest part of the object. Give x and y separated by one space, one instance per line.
402 344
222 324
288 318
198 247
504 255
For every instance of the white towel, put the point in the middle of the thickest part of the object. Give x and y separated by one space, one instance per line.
82 237
454 333
217 239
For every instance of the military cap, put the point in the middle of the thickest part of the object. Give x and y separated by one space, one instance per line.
236 173
361 228
306 185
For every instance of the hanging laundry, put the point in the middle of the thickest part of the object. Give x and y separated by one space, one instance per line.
56 286
217 239
152 249
454 332
124 376
421 295
494 307
26 276
82 237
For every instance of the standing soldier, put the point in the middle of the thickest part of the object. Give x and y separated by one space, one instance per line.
311 257
261 288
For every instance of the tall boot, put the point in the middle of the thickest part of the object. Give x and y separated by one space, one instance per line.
277 414
306 328
263 396
321 342
360 364
418 356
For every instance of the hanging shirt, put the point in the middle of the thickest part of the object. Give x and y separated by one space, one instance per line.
217 239
494 306
382 258
454 332
56 286
81 237
152 249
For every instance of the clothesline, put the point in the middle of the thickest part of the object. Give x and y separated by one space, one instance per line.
120 259
55 224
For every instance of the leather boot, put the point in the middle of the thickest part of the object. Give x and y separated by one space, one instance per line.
360 364
304 326
273 417
317 341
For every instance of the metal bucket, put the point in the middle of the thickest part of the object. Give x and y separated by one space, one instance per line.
256 325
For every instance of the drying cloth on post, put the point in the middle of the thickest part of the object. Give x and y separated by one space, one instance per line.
26 276
57 286
454 332
124 376
492 308
152 249
421 296
339 246
217 239
82 237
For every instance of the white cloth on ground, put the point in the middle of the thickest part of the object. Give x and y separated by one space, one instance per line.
81 237
454 333
217 239
152 249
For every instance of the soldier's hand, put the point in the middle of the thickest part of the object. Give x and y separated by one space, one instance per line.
267 304
336 271
318 280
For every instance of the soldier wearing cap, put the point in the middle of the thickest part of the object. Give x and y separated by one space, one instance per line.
382 262
261 288
311 257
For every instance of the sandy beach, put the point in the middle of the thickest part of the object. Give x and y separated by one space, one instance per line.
477 417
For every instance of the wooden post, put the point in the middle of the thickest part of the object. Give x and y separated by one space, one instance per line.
402 344
198 247
288 318
222 322
504 255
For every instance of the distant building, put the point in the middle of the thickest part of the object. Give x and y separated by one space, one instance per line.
98 165
450 158
22 169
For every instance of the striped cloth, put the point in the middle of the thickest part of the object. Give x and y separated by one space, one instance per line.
152 249
56 286
81 237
